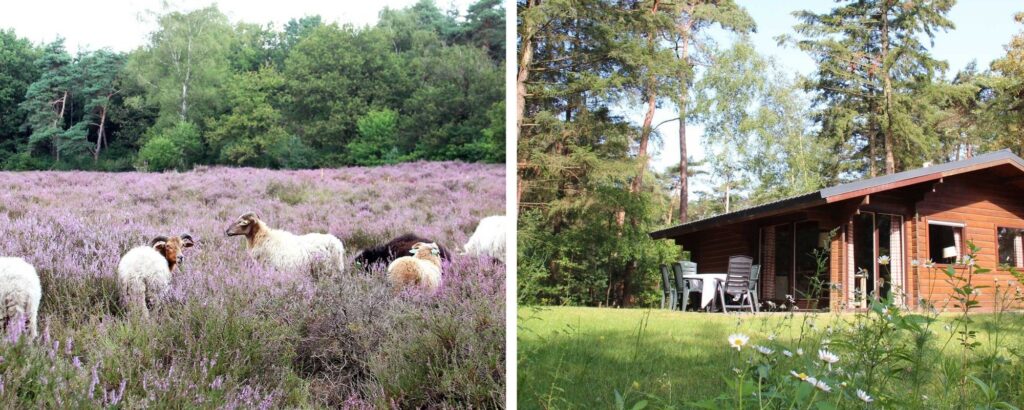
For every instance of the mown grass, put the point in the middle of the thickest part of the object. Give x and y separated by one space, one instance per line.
576 357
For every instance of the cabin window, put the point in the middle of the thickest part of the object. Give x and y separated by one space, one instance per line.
1010 242
945 241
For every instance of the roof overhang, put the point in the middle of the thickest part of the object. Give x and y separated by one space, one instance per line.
850 190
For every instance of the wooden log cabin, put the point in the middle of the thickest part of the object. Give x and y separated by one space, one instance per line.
924 214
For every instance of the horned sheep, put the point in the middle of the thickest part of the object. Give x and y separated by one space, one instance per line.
144 273
422 269
316 253
395 248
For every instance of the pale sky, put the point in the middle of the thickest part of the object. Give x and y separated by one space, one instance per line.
982 30
123 25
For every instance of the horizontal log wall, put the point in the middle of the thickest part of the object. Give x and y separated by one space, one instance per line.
982 207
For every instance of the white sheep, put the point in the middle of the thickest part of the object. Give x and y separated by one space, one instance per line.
20 293
422 269
314 252
144 273
489 238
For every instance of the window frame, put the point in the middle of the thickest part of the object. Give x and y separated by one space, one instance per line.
995 239
949 223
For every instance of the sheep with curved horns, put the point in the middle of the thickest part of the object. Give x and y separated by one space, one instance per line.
396 247
319 254
422 269
20 293
144 273
489 238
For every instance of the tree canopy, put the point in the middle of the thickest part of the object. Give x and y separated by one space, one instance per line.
207 90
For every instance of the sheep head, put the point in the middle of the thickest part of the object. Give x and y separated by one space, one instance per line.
247 224
429 251
172 248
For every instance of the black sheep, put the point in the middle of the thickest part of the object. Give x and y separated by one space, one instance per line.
395 248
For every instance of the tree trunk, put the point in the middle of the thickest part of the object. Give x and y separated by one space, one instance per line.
56 124
683 160
525 59
100 135
890 160
188 78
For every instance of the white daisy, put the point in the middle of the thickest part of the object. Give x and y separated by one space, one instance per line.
763 350
863 396
738 340
883 260
787 353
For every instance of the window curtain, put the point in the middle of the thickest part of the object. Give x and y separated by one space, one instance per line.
851 282
957 232
1018 250
896 259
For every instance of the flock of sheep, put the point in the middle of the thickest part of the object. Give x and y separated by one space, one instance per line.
144 272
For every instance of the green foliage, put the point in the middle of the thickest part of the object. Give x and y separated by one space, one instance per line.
160 154
252 131
375 144
260 96
17 70
185 65
176 148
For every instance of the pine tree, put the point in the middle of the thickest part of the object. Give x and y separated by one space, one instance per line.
47 100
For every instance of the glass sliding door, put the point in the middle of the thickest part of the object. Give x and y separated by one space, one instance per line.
877 256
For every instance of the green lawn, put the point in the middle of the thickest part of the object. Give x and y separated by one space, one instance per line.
571 357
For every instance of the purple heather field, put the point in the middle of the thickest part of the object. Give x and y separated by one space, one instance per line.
232 333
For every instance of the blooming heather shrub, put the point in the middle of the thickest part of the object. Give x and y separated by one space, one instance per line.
234 333
445 350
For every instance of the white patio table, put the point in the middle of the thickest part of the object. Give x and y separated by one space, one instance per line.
709 286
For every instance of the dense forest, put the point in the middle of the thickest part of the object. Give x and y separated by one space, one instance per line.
421 83
593 73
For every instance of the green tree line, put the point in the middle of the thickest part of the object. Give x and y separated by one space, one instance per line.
421 83
593 73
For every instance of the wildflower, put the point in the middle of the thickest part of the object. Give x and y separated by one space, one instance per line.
863 396
771 337
789 298
968 260
915 263
738 340
787 353
822 386
827 357
800 352
929 263
770 304
801 376
764 350
883 260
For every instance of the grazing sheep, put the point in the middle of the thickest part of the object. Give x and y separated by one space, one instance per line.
144 273
422 269
314 252
20 293
395 248
489 238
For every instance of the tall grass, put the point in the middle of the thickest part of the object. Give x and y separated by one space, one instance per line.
885 357
233 333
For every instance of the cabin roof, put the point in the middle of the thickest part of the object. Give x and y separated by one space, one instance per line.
848 190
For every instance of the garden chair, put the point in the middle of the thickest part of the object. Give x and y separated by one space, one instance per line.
684 287
755 287
667 291
737 284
